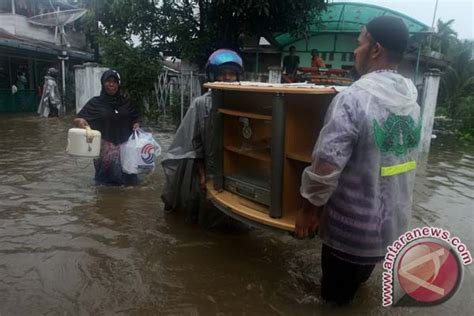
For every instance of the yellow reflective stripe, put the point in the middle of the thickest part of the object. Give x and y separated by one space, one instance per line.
397 169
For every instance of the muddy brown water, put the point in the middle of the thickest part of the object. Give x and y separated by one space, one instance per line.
68 247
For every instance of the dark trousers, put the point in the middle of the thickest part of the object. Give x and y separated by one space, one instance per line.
341 278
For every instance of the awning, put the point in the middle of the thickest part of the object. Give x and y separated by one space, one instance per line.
348 17
8 40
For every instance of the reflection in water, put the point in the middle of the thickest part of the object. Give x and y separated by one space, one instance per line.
70 247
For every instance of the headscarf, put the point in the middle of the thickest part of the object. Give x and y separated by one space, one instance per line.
112 115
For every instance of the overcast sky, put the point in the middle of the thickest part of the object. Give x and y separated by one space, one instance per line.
462 11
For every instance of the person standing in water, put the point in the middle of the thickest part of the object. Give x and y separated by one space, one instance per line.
359 186
185 162
50 104
111 114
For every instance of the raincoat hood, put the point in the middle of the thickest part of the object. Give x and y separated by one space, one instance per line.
394 91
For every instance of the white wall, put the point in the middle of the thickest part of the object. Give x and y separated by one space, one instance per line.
87 79
428 107
18 25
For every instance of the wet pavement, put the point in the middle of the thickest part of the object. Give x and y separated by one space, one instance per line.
68 247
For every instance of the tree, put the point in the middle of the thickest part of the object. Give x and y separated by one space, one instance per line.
189 29
456 94
458 82
445 37
138 68
121 18
193 29
110 25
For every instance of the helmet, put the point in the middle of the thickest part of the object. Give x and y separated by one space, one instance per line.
223 58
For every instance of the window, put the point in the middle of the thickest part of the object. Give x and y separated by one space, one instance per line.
324 55
343 56
22 7
351 57
20 73
6 6
4 73
331 56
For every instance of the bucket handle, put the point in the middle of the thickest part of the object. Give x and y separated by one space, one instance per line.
89 136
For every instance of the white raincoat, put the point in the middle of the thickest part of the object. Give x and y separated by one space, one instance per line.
192 141
51 99
363 164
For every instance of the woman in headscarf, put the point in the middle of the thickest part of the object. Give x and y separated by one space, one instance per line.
112 114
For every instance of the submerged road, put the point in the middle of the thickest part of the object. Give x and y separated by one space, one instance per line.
68 247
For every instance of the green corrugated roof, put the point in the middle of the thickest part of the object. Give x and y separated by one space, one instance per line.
349 17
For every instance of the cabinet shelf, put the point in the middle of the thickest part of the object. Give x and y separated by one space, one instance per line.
259 154
246 114
306 158
264 141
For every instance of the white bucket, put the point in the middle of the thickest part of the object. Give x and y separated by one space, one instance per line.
84 143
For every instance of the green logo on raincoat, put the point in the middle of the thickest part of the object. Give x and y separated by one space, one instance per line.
398 135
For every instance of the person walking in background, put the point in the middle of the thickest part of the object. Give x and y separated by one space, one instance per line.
115 118
50 103
359 186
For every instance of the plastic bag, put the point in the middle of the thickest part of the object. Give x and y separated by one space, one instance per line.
139 153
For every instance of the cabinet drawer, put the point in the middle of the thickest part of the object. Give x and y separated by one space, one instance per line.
252 189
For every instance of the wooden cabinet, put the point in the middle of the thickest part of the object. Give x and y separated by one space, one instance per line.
263 139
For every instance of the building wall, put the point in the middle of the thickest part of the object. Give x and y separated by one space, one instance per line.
336 49
337 52
87 83
12 65
265 60
18 25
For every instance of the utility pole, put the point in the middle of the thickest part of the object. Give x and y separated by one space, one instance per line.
96 34
63 57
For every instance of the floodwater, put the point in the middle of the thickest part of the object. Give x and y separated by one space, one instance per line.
69 247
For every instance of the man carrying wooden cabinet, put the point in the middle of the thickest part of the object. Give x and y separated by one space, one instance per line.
184 162
359 186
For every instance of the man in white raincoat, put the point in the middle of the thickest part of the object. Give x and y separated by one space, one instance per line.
359 186
50 104
184 164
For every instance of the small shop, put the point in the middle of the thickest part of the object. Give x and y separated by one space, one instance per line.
27 51
23 65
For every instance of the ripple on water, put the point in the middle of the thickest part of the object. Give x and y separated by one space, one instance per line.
69 247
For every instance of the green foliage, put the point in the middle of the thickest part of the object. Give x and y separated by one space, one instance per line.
467 136
445 39
456 94
189 29
138 68
465 112
193 29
